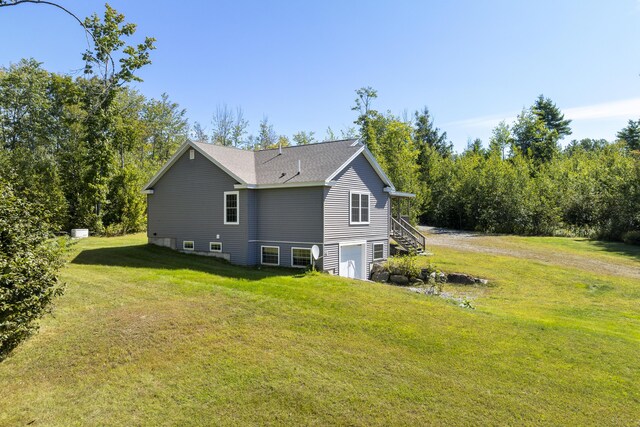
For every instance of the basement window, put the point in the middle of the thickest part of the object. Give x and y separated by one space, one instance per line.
378 251
188 245
300 257
215 246
270 255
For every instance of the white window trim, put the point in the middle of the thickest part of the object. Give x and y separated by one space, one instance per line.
271 247
373 251
301 266
360 193
215 243
237 193
192 248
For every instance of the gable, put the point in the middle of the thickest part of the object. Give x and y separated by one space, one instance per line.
305 165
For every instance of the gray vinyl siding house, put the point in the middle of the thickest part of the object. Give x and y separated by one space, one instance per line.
271 206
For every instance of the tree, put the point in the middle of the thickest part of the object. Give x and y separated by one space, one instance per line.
631 135
303 138
551 116
586 144
475 146
223 122
198 133
239 128
166 128
330 134
29 262
366 95
501 139
533 138
267 137
427 134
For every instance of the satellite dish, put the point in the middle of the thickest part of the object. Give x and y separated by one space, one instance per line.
315 251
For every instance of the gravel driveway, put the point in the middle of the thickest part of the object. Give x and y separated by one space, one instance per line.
499 245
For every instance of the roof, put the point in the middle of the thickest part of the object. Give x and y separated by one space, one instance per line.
300 165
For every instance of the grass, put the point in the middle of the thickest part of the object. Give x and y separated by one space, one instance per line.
147 336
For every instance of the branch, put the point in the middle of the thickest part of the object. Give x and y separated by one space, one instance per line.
7 3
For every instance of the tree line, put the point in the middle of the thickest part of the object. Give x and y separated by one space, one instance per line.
522 182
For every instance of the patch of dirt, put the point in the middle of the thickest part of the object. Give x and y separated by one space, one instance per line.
476 242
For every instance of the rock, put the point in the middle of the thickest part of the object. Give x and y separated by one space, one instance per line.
460 279
376 268
481 281
416 282
433 275
424 274
442 278
399 279
380 276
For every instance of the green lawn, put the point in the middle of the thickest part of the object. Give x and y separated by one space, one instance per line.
144 335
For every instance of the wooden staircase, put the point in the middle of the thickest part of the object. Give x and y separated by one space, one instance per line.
407 235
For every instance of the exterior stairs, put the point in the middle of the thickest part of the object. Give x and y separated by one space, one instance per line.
407 236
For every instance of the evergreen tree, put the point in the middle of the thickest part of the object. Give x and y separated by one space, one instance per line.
551 116
631 135
427 134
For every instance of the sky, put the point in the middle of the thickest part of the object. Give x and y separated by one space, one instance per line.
472 63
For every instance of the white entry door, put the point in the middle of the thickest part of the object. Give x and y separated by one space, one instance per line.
352 261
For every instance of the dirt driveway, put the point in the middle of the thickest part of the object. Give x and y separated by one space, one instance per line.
506 246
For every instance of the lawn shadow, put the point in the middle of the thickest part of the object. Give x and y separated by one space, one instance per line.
155 257
629 251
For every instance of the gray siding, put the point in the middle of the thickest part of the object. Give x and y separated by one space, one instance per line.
290 214
358 176
287 217
188 204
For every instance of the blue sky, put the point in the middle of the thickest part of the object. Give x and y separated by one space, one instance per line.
471 63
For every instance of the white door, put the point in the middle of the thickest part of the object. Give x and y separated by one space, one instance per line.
351 261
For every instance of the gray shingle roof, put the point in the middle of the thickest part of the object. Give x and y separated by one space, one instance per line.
265 167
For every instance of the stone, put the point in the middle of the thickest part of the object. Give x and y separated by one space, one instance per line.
380 276
442 278
416 282
482 281
424 274
399 279
460 279
377 267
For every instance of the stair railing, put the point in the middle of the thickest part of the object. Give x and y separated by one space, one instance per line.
403 230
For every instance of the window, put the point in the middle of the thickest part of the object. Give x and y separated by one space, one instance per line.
359 207
192 154
215 246
188 245
231 208
270 255
378 251
300 257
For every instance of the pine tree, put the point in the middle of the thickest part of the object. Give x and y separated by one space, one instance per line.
551 116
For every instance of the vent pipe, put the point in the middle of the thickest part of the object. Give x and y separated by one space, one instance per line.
299 167
279 148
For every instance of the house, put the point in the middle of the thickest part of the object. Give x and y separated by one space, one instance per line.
271 207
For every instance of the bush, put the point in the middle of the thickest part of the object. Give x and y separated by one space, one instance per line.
405 265
632 237
29 261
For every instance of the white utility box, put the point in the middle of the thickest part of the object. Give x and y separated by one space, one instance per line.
80 233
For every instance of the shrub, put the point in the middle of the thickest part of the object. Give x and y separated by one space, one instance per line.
632 237
405 265
29 262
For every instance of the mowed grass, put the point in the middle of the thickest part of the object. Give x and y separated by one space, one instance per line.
147 336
